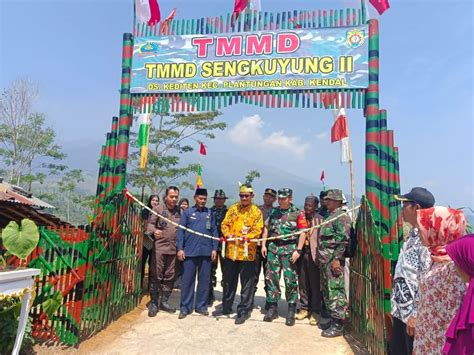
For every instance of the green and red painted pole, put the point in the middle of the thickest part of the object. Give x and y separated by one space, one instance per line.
125 118
112 158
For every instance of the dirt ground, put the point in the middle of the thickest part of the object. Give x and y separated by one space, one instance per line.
136 333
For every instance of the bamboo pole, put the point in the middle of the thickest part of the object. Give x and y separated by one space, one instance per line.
125 119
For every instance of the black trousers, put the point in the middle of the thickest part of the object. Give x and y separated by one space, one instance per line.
232 271
309 282
213 278
260 264
401 343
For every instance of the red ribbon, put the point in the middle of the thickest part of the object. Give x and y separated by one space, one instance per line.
222 240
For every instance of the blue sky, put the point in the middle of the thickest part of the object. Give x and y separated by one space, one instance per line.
73 50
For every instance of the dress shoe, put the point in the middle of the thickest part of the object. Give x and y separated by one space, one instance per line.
221 312
203 312
241 318
182 315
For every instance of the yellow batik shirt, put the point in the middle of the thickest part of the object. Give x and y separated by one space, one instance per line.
242 222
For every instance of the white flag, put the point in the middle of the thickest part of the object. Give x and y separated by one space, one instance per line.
255 5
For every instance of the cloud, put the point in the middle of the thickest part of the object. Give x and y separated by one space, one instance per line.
248 131
322 135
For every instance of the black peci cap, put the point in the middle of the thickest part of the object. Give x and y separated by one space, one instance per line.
200 192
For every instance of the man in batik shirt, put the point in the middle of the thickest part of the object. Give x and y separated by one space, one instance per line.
244 222
414 260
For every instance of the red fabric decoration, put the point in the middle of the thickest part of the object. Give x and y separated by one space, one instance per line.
202 149
339 130
166 22
240 5
155 13
380 5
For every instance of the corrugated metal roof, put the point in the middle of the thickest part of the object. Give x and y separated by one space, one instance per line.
15 194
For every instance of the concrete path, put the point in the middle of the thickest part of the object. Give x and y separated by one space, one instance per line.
136 333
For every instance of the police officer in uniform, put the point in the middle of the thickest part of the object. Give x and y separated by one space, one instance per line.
163 257
333 240
196 253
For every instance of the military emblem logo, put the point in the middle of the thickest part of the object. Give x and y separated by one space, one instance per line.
355 38
149 47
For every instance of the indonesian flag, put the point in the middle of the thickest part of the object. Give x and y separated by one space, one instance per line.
380 5
143 134
241 5
340 132
202 149
147 11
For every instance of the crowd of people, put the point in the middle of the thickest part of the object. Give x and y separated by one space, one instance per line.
246 240
432 297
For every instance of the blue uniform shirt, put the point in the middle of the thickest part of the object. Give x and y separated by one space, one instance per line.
200 220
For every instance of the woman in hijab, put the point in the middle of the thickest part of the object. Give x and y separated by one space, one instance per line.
153 201
441 289
460 334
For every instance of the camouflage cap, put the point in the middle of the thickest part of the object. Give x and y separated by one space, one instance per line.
334 194
220 194
285 192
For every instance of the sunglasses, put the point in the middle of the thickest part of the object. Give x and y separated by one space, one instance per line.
244 196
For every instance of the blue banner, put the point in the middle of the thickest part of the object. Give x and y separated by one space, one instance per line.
330 58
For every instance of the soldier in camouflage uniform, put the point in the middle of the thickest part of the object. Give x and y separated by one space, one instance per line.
323 210
282 255
218 210
333 239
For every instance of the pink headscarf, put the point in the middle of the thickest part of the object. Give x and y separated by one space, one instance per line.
438 227
460 334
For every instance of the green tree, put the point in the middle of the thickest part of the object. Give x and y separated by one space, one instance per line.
27 146
67 186
251 176
170 137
